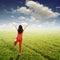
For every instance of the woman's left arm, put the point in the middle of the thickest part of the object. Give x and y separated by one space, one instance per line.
26 26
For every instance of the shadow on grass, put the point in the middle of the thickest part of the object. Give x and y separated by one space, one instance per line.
11 58
18 56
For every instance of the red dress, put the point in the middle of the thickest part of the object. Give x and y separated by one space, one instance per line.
19 40
19 37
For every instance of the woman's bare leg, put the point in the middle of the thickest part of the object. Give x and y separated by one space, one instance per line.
20 47
15 42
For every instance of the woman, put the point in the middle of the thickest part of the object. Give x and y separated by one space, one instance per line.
20 31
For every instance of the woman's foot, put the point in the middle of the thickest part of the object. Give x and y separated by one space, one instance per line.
15 43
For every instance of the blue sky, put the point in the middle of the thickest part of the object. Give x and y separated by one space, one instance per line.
11 11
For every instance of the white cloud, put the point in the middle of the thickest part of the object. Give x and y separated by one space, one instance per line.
8 26
13 23
58 7
27 19
51 22
37 12
33 18
3 25
41 11
24 10
12 16
21 18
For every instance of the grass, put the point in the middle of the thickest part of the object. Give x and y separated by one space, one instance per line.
37 45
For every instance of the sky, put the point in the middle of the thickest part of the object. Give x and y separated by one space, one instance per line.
45 12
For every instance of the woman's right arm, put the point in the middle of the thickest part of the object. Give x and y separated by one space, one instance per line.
15 26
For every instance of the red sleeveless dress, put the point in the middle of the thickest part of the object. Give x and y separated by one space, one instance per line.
19 37
19 40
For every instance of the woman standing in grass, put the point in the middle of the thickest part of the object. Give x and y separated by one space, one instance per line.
20 31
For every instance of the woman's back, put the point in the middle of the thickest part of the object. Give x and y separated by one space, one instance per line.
19 36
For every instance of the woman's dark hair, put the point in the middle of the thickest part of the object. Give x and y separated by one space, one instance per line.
20 29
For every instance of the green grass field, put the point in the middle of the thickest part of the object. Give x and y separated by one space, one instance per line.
37 45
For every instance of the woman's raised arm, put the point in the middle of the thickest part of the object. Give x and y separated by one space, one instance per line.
26 26
15 26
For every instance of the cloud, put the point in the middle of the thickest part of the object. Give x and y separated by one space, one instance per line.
36 12
27 19
12 16
24 10
9 26
50 22
58 7
5 26
21 18
33 18
41 11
